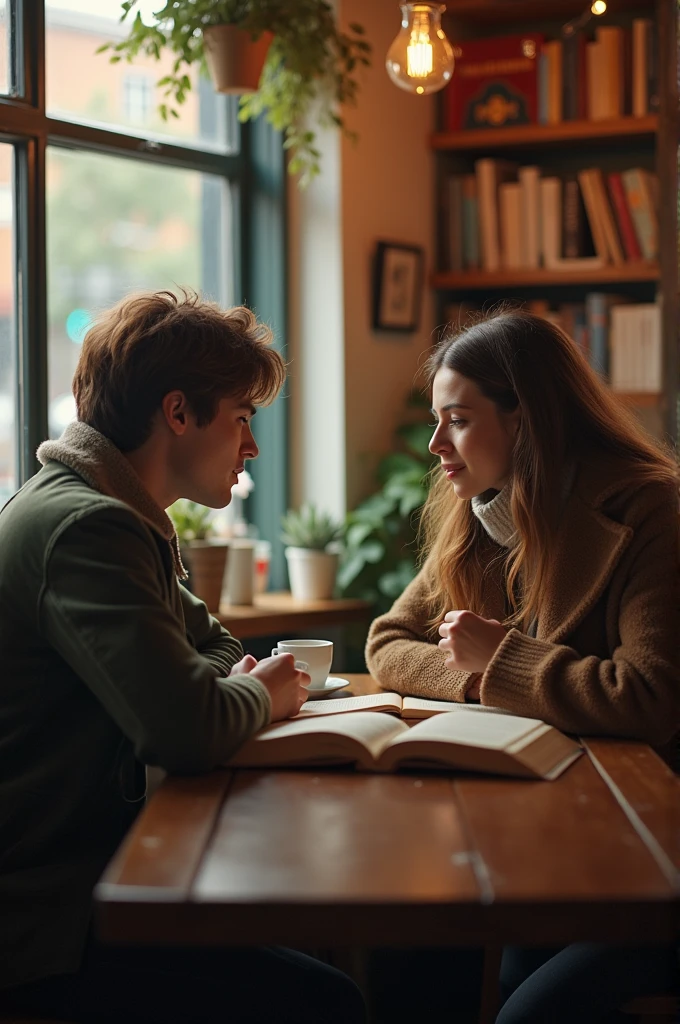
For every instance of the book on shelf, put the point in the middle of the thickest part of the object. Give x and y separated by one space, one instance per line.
635 348
495 83
523 220
574 91
639 187
490 175
465 740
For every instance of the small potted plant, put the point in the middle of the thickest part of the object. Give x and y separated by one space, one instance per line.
302 64
206 558
309 536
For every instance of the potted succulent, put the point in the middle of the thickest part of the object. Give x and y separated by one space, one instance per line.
306 64
309 536
206 559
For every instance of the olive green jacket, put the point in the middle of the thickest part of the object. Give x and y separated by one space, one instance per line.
107 664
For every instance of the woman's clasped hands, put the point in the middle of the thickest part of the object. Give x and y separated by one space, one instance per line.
470 643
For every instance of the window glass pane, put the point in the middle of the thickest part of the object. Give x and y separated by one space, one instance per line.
124 96
8 366
116 226
4 47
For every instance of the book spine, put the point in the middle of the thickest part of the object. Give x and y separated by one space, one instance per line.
610 40
529 179
553 51
594 79
596 227
455 223
597 315
488 213
621 371
642 212
551 220
624 219
570 72
652 70
509 198
543 71
471 258
572 221
640 30
605 215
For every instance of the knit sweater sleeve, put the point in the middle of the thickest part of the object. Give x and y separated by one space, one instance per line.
635 692
402 656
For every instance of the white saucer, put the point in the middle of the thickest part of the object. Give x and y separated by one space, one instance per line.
333 683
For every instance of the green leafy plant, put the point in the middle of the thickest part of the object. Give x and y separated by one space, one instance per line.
310 68
309 528
380 534
191 520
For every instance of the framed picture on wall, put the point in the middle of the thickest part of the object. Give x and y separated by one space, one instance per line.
397 286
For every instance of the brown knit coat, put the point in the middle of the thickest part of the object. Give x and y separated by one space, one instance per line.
606 657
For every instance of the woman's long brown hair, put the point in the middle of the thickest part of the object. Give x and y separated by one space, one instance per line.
568 414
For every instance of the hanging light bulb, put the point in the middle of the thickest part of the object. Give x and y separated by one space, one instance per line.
420 59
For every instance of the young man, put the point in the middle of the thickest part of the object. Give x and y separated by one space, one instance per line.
109 664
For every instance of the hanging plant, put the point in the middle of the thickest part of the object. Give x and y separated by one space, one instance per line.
309 70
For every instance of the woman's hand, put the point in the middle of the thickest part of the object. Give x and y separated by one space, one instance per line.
470 641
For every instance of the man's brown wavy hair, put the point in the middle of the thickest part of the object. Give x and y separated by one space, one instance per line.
568 415
150 344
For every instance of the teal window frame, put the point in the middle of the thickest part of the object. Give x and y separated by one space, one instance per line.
256 173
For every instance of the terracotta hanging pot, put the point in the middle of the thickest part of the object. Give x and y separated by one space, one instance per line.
234 59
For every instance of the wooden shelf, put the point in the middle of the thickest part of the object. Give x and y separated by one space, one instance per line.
500 11
477 280
277 613
478 139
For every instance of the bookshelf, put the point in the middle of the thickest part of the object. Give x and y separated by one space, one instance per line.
564 148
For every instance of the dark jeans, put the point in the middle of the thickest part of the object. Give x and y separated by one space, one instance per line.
585 982
140 985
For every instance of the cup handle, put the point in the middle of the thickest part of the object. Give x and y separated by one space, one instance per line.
301 666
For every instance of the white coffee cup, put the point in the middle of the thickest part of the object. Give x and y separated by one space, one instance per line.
318 654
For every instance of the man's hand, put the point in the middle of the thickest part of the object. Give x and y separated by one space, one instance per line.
470 641
283 682
243 666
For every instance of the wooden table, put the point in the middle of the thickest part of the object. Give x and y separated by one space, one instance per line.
332 858
275 613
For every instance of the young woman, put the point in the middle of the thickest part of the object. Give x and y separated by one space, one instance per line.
550 584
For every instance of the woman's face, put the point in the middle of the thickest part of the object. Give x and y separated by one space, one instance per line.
473 438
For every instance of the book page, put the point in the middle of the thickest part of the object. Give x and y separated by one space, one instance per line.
334 739
469 728
421 707
338 705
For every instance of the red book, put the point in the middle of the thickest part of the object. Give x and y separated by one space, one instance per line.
494 84
625 221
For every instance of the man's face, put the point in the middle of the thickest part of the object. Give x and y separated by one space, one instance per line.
207 460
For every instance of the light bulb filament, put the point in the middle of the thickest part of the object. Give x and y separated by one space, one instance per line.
419 61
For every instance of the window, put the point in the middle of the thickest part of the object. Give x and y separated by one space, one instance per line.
137 99
100 197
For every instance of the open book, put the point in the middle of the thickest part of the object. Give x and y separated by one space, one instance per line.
496 743
393 703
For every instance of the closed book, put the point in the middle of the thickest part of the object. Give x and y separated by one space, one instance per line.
454 206
551 220
594 215
623 216
638 187
543 87
553 53
510 203
642 28
610 42
495 83
489 742
605 215
471 253
574 76
595 94
598 306
530 215
576 236
653 84
636 350
490 175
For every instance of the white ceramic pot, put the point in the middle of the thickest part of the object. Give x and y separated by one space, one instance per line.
311 573
234 59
